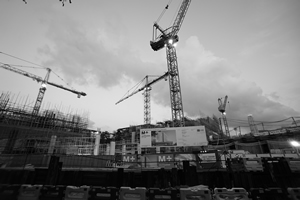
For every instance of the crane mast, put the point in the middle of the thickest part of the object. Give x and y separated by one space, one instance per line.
222 108
147 89
42 89
168 38
41 94
147 104
175 89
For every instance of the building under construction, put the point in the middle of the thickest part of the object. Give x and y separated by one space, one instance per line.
56 148
23 131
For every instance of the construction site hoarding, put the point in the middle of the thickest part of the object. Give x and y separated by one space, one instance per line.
174 136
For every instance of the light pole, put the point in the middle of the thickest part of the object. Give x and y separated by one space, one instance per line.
296 145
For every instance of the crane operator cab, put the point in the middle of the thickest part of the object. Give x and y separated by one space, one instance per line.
166 37
222 105
162 42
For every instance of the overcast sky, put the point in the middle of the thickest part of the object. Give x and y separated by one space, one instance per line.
248 50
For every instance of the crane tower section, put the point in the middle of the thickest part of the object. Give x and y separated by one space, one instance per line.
147 104
174 84
41 94
222 108
168 38
147 94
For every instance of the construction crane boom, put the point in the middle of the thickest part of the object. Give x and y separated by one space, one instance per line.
19 71
79 94
147 89
180 16
168 38
142 88
42 89
40 79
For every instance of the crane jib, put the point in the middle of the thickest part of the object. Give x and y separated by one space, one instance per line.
38 78
142 88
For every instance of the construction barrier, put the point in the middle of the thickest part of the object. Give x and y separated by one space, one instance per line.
29 192
277 165
162 194
267 193
103 193
236 164
128 193
9 192
77 193
195 193
51 192
294 193
294 164
234 193
253 164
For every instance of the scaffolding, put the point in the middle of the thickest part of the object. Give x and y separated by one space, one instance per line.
15 110
21 131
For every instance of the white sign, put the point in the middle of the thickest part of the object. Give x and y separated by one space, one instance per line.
207 157
165 158
128 159
175 136
145 138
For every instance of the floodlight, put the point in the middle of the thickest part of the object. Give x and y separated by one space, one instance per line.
295 143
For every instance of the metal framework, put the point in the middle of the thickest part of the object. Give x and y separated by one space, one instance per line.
16 111
147 94
253 127
147 104
42 89
168 38
174 84
21 131
41 94
225 125
222 108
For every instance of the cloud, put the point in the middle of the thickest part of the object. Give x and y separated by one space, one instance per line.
104 56
99 55
205 77
274 96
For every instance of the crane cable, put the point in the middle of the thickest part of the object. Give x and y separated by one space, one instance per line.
40 67
20 65
163 12
21 59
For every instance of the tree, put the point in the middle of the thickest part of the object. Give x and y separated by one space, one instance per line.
105 137
62 1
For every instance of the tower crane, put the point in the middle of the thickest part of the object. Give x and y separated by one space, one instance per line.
42 89
147 89
222 108
168 38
